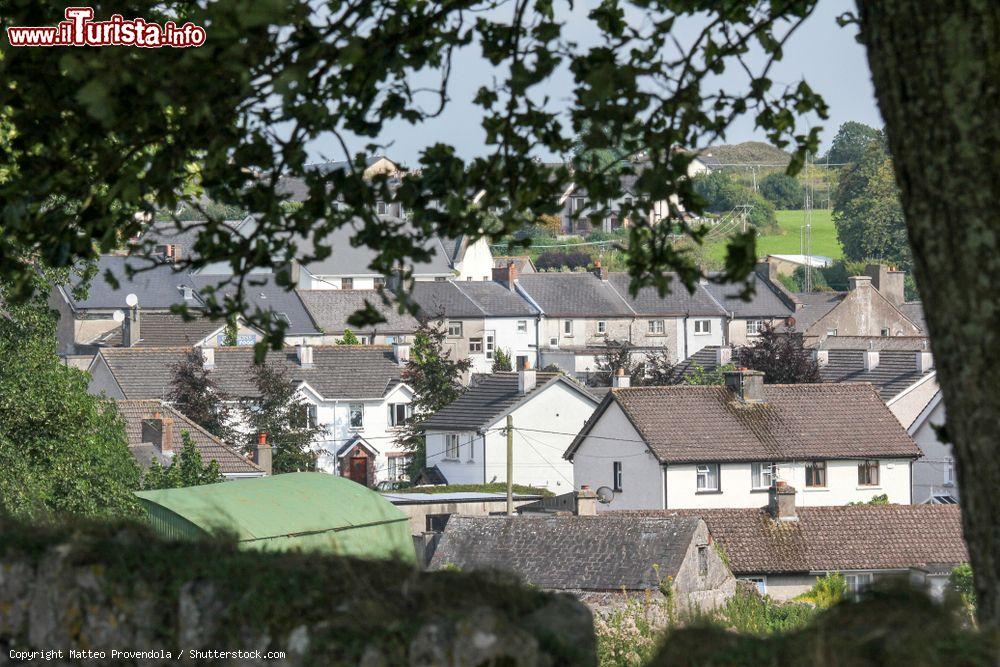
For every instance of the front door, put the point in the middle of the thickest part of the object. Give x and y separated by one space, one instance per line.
359 470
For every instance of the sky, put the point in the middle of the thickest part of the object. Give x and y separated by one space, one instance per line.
826 55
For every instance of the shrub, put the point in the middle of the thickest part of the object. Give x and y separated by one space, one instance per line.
827 591
628 634
559 260
962 582
748 611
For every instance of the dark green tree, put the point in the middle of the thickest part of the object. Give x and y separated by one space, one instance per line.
186 469
278 410
501 361
436 380
617 356
63 451
781 356
197 396
722 194
851 142
782 190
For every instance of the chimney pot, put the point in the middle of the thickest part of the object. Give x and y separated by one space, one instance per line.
781 502
208 357
747 385
600 271
262 454
304 353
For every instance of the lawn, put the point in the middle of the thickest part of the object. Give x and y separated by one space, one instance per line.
824 237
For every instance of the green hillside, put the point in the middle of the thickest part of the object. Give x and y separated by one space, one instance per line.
824 237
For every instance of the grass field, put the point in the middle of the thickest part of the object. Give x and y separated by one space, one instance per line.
824 237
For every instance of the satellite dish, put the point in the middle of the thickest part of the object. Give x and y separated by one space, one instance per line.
790 321
605 495
132 300
118 316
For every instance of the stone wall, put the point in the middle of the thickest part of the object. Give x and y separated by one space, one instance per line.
103 587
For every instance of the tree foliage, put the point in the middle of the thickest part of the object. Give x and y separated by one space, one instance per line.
436 380
782 190
501 361
617 357
867 211
63 451
349 338
197 396
851 142
278 410
781 356
186 469
722 194
699 375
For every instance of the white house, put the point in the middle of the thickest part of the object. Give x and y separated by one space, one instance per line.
724 446
467 439
353 392
934 479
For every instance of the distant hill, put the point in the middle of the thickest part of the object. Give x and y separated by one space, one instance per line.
748 151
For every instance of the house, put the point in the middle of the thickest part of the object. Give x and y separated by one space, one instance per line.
167 329
934 479
581 312
331 309
522 263
155 432
304 511
688 446
768 304
353 392
599 558
783 549
467 442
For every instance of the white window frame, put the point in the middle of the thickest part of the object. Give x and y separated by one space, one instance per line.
397 467
831 332
759 472
702 327
522 326
452 446
347 283
394 410
567 327
657 327
616 475
352 410
602 327
704 477
454 329
381 207
475 346
489 344
857 582
754 327
949 473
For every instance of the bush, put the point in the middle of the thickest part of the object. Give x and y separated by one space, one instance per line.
558 260
748 611
962 583
629 634
782 190
827 591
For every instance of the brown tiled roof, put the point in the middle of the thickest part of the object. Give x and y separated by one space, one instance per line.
850 537
795 422
210 447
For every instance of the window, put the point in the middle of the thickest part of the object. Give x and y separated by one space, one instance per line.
702 327
454 329
762 475
381 207
475 345
357 415
347 283
868 473
568 327
553 342
708 477
437 522
522 326
754 327
379 283
759 582
399 413
858 582
579 203
656 327
602 327
616 475
885 333
305 415
490 345
949 473
451 446
703 561
831 332
397 467
816 474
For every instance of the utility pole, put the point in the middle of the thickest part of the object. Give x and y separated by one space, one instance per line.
510 465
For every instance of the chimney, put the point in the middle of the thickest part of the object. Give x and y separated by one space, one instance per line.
747 385
526 380
822 357
401 352
600 271
925 361
262 453
208 358
167 435
781 502
888 281
305 355
506 275
131 334
619 380
586 502
871 360
188 292
723 355
859 282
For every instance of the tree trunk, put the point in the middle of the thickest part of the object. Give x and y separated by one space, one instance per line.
936 69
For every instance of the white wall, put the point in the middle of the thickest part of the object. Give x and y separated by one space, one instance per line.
930 472
506 335
102 381
311 282
612 439
697 341
477 264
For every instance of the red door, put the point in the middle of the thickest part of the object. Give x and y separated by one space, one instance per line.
359 470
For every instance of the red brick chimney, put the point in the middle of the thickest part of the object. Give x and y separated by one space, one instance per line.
506 275
600 271
166 424
262 453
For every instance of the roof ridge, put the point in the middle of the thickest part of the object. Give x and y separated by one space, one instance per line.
471 300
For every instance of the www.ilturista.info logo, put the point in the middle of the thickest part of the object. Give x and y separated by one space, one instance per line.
79 29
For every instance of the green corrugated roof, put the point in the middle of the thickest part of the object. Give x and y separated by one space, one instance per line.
307 510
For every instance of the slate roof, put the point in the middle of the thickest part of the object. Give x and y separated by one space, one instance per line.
574 295
494 299
330 309
814 306
338 371
677 302
849 537
158 285
210 447
690 424
434 298
166 330
522 263
896 370
263 292
489 398
706 358
182 233
765 302
587 553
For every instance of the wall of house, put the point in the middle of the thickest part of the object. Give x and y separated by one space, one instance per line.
736 330
330 282
65 325
735 484
458 346
613 438
787 586
477 263
102 381
507 336
694 342
584 331
908 405
863 312
695 591
468 467
930 473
